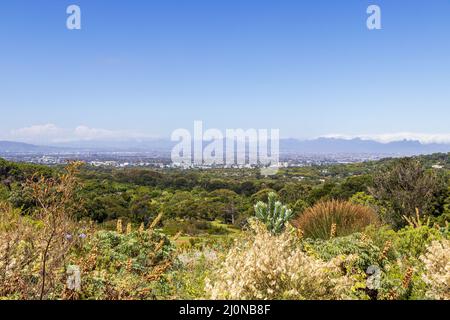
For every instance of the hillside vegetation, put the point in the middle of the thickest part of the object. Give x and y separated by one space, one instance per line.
374 230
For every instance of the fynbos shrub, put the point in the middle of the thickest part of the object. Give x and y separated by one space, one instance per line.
317 222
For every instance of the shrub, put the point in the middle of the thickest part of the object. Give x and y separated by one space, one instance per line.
299 206
192 227
384 270
410 242
273 214
401 263
367 200
17 235
126 266
365 252
437 270
334 218
405 186
267 266
188 279
34 248
444 218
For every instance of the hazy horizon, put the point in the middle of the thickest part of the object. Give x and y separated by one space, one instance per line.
51 134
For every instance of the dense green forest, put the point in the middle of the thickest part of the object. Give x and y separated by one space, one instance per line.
228 195
189 232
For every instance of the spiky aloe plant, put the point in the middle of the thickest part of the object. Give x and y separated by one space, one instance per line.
273 214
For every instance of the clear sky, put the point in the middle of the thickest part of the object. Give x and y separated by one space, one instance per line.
146 68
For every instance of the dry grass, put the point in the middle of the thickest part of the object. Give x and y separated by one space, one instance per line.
264 266
334 218
437 270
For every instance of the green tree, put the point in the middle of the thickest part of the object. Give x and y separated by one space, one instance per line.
404 186
292 192
228 204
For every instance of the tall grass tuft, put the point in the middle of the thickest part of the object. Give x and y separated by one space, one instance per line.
342 217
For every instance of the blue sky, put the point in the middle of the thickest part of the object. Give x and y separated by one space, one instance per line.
146 68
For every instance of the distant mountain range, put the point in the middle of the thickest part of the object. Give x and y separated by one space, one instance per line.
287 146
335 145
19 147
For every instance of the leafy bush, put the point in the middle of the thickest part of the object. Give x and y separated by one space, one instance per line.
408 243
267 266
444 218
402 268
367 200
273 214
117 265
192 268
398 276
334 218
404 187
365 252
192 227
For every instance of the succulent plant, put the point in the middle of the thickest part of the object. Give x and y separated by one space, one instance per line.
273 214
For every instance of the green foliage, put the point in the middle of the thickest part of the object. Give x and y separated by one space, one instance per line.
273 214
404 186
322 192
188 280
210 206
193 227
445 217
447 202
114 247
367 200
396 254
366 252
124 266
409 242
293 192
403 251
261 195
299 207
363 199
350 186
